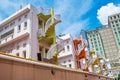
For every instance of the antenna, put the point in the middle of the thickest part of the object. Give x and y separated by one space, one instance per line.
20 4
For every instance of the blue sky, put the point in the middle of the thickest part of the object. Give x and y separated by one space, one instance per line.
75 14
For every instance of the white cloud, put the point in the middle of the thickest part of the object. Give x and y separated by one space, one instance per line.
107 10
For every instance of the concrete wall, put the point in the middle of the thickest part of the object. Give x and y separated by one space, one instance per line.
67 61
34 46
12 48
66 57
21 69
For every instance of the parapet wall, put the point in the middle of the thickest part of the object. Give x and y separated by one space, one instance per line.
21 69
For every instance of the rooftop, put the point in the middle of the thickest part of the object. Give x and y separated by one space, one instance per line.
15 15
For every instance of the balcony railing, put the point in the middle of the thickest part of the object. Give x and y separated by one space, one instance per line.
55 49
6 39
3 44
49 22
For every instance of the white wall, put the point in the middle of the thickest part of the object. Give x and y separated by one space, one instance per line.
66 56
13 48
67 61
33 33
32 28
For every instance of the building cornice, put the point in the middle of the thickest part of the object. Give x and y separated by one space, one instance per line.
15 15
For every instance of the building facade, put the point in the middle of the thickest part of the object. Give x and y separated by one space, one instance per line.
18 33
106 41
29 33
66 57
95 42
114 23
109 43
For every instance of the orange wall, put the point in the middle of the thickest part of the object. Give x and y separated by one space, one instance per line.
16 70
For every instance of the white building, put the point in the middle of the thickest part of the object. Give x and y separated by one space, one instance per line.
18 33
66 57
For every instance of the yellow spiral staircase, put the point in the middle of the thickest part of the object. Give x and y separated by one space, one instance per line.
46 35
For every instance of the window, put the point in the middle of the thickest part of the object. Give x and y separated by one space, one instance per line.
115 32
6 26
113 25
119 43
68 47
99 44
10 50
96 49
92 45
69 60
1 29
95 42
112 22
6 40
25 16
46 50
96 46
7 34
116 21
111 18
114 17
12 36
118 16
19 19
92 42
17 54
118 28
18 47
114 29
117 24
67 41
24 45
118 39
70 65
40 22
19 28
11 24
24 54
116 35
25 25
63 50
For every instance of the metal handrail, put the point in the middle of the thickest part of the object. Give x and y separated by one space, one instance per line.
58 47
49 21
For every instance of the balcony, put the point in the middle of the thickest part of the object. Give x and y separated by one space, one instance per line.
19 38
